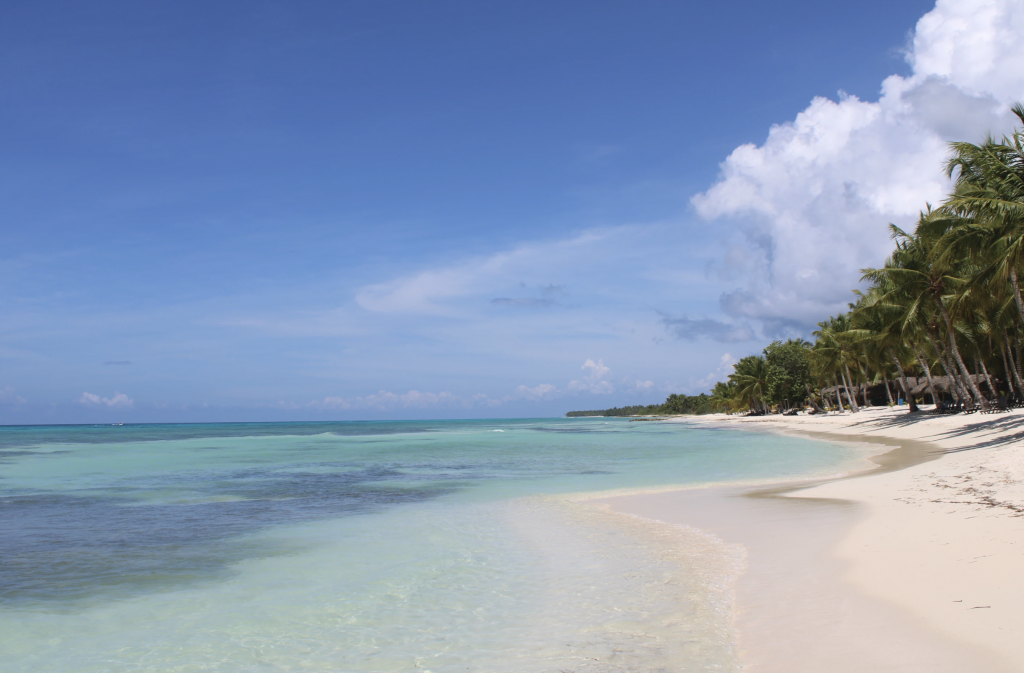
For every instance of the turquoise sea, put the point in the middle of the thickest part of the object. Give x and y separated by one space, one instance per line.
369 546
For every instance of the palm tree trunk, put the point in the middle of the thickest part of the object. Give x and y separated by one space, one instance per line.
1016 292
1006 369
1017 360
978 398
810 397
849 396
839 397
1014 368
955 386
928 373
903 381
887 393
984 371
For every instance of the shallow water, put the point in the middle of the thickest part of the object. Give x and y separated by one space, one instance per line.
403 546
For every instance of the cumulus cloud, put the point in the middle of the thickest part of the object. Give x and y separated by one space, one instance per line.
118 401
594 381
812 202
595 370
725 364
690 329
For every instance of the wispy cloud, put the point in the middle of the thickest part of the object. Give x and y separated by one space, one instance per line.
522 302
118 401
539 392
8 396
690 329
438 291
386 400
594 381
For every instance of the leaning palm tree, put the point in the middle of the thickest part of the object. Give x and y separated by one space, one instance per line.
833 352
881 322
948 296
913 277
988 197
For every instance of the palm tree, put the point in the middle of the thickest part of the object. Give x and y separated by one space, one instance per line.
723 397
950 293
914 278
988 196
832 352
881 322
750 376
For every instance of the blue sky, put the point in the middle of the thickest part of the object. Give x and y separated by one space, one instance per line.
322 210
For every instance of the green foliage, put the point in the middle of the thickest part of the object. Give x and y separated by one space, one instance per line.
687 404
636 410
675 404
948 301
722 396
750 382
788 372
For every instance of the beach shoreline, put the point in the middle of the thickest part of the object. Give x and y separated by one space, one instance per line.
912 566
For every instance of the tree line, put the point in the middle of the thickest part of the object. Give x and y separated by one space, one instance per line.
675 404
941 319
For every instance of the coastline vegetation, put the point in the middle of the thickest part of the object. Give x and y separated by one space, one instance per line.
942 318
675 404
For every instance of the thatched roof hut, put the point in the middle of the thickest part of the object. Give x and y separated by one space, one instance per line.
918 387
942 384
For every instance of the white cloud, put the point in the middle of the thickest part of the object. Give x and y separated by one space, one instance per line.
412 399
725 364
812 202
118 401
437 291
597 387
644 385
595 370
544 390
594 380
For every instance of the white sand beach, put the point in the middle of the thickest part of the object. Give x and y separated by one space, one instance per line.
904 568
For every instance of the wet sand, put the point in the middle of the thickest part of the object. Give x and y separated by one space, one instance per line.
912 566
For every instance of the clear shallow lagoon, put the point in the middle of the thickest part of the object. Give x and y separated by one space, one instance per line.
376 546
